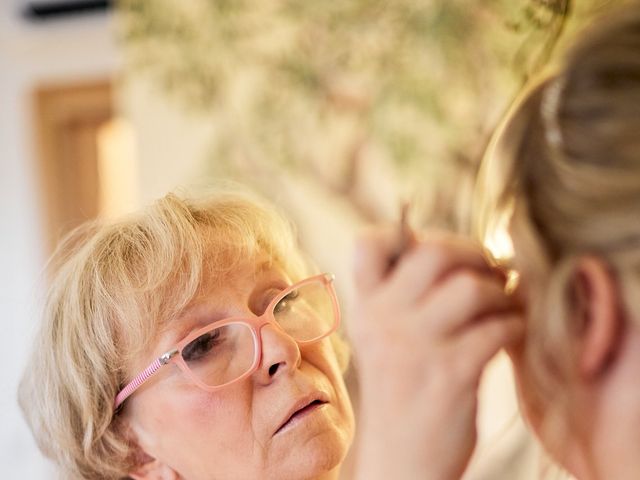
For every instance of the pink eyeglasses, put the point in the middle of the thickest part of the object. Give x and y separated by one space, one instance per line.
229 350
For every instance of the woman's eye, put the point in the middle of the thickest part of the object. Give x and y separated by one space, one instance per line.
201 346
285 302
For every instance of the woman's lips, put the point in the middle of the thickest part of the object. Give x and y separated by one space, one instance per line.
301 409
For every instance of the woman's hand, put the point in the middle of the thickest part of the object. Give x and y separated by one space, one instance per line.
423 331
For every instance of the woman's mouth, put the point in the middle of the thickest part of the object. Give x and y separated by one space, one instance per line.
300 411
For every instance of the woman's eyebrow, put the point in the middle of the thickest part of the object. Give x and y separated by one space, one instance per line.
199 314
190 321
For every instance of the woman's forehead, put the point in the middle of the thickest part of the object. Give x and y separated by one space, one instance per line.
237 283
241 270
218 295
244 275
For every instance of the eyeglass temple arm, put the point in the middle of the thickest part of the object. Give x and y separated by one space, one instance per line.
142 377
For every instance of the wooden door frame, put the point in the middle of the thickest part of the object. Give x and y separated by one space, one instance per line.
67 119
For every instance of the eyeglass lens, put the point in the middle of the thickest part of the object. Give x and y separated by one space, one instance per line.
225 353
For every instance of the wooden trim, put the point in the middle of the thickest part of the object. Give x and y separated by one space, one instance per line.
68 118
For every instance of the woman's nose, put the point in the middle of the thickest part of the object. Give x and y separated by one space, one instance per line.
280 354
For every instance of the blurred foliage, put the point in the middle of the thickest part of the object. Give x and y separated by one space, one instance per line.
320 87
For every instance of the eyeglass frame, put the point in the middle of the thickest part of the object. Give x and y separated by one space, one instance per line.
254 323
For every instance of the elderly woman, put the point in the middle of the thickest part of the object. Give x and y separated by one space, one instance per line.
195 341
190 341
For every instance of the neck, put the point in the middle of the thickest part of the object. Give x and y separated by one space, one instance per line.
606 442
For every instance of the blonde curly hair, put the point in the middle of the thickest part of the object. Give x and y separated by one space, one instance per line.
114 286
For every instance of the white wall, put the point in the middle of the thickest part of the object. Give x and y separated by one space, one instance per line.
69 50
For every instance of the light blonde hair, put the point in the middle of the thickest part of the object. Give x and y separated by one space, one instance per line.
115 285
566 166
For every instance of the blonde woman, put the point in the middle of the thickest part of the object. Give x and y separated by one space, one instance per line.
566 165
193 340
570 153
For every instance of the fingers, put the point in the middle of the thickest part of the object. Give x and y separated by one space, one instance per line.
478 344
429 262
463 297
373 253
440 287
418 268
425 327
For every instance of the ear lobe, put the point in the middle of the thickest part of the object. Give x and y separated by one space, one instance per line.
597 311
154 470
147 467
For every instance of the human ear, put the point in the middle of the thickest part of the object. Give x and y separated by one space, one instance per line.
149 468
595 307
154 470
141 442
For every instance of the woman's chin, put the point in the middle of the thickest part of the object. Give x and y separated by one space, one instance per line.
319 456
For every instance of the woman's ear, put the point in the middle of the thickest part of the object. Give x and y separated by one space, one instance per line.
154 470
148 467
596 310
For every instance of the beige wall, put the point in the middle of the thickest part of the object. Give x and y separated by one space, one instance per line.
172 151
